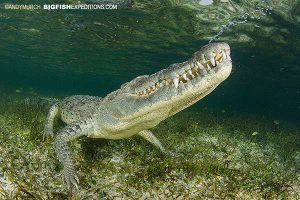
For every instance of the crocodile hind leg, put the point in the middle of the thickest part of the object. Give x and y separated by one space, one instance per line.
150 137
53 112
63 152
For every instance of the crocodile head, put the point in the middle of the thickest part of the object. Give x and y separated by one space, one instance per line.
170 90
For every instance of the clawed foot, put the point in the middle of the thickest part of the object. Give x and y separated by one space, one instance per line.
48 132
170 153
70 178
166 152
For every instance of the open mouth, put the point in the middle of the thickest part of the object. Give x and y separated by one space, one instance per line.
200 65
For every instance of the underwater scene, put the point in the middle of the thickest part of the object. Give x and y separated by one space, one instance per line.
160 99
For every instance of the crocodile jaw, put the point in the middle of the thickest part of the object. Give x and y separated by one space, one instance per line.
183 96
188 94
151 99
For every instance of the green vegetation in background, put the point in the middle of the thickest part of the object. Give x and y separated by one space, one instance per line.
214 154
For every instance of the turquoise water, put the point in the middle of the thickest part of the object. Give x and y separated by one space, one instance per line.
239 142
61 53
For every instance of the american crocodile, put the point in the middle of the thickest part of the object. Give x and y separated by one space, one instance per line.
139 104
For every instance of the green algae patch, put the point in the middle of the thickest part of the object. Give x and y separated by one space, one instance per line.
211 154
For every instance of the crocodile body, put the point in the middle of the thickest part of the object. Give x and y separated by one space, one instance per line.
138 105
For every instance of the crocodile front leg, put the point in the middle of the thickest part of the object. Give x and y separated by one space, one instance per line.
63 152
150 137
53 112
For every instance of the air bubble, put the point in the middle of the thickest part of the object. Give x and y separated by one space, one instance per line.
258 13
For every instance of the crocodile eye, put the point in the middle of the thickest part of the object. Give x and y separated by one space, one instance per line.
141 79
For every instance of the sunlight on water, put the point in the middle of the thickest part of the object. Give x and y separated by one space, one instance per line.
260 11
205 2
239 142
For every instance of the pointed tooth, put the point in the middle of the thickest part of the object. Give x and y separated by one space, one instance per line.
227 52
212 60
185 77
153 87
144 92
224 54
196 66
228 56
157 85
208 67
217 62
202 68
200 65
176 80
190 73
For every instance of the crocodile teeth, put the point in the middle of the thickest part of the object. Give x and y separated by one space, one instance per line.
202 67
212 60
144 92
176 80
185 77
217 62
224 54
208 67
228 56
199 65
190 73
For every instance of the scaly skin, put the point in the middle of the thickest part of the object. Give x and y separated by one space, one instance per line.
139 104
